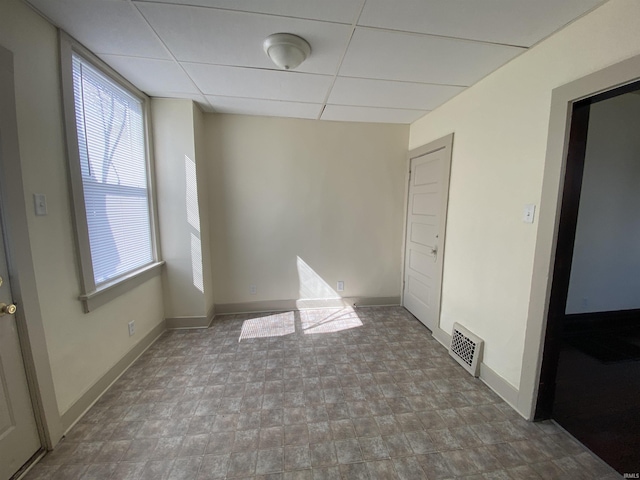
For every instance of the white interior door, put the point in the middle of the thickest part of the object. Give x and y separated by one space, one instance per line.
426 219
19 438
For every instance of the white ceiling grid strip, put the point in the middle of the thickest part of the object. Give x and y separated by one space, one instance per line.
201 98
344 53
335 11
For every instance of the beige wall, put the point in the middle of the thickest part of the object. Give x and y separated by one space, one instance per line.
500 127
82 347
183 208
178 207
297 205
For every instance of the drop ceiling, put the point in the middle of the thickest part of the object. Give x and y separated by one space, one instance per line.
387 61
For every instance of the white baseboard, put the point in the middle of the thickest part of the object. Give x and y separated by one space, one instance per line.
285 305
441 336
179 323
187 322
93 394
504 389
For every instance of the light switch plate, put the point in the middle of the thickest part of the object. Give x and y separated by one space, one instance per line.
40 203
340 286
529 213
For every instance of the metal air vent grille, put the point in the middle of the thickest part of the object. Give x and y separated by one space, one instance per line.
466 349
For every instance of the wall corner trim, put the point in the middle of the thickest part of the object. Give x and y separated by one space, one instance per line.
93 394
178 323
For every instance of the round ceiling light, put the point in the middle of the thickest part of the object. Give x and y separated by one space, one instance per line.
286 50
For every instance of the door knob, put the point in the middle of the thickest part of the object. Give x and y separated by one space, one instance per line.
7 309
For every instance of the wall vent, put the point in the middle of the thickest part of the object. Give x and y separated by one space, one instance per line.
466 349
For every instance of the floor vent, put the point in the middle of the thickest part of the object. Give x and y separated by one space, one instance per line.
466 349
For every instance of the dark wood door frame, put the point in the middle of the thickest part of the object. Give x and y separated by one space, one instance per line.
564 257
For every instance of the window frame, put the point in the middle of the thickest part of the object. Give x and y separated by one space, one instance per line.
93 296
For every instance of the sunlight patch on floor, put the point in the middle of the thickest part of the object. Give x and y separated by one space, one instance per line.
323 321
277 325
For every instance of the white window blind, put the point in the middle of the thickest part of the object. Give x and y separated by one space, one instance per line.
111 143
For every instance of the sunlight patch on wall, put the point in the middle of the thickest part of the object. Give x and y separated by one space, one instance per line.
323 321
193 214
196 263
312 286
277 325
193 218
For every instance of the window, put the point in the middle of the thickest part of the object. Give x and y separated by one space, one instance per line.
110 177
111 145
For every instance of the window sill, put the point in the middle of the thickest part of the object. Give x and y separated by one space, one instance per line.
107 292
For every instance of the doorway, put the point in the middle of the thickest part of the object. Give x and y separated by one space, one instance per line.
19 436
427 200
590 376
27 395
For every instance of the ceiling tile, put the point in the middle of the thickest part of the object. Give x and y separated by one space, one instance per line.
371 114
270 108
340 11
391 94
151 75
255 83
421 58
109 27
514 22
221 37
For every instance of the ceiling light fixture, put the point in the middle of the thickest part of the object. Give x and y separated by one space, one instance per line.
286 50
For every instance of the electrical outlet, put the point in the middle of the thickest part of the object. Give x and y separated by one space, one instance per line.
340 286
253 290
132 327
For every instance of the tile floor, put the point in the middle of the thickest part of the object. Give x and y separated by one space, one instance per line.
317 394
